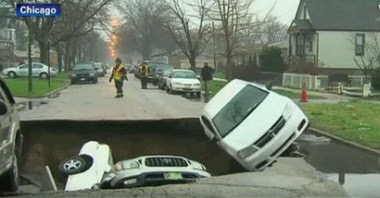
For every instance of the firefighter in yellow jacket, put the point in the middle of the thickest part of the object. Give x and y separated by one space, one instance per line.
144 72
119 74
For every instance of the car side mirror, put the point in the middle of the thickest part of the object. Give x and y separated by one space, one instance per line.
3 108
269 86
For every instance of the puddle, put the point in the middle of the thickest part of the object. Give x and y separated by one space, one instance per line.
357 171
31 104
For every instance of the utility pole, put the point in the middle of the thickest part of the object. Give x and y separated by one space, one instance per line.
30 76
48 57
214 43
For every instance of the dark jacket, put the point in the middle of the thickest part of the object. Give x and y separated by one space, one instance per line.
207 73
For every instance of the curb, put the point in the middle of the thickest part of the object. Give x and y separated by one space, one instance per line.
48 94
57 90
346 142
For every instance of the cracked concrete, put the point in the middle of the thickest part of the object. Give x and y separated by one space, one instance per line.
289 177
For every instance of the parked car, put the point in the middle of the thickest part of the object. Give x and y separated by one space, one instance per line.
153 170
99 69
159 71
252 124
88 168
182 80
38 70
162 79
84 73
105 68
11 141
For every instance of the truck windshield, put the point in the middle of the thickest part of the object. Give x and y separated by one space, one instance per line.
238 109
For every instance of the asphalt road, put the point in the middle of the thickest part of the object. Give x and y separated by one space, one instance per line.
97 102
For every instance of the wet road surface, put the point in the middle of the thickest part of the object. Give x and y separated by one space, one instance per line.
357 171
97 102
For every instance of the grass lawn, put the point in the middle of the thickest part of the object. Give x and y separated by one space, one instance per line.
214 86
19 86
354 121
221 75
62 75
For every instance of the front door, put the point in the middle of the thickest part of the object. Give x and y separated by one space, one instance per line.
23 70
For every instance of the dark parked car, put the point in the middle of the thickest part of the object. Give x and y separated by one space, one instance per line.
99 69
84 73
159 71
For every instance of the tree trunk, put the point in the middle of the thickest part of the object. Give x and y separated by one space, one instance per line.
229 68
67 56
59 54
193 63
43 52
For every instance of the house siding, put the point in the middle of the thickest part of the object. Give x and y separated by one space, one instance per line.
336 50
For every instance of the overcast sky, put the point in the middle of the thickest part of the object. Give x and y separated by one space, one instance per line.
284 9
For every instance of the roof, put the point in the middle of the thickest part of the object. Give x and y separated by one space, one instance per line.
349 15
303 24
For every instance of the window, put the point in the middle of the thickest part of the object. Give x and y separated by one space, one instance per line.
311 44
304 12
184 74
24 66
300 47
238 109
37 66
359 44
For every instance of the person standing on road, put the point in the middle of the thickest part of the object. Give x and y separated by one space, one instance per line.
206 76
119 74
144 72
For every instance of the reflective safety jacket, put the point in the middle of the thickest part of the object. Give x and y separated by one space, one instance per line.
119 72
144 70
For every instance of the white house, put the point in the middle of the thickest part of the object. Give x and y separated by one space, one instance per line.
331 34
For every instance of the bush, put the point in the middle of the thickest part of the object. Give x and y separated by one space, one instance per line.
271 60
376 79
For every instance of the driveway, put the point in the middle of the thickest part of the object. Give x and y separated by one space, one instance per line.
97 102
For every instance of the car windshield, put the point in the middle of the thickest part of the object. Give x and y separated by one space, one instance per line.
184 74
83 67
97 65
238 109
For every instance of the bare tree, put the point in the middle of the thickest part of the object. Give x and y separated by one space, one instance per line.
144 19
231 14
74 22
192 38
273 30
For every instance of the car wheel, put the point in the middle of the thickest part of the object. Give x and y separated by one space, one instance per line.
72 81
95 81
12 74
44 75
10 181
72 165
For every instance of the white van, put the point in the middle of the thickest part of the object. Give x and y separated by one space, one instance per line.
252 124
